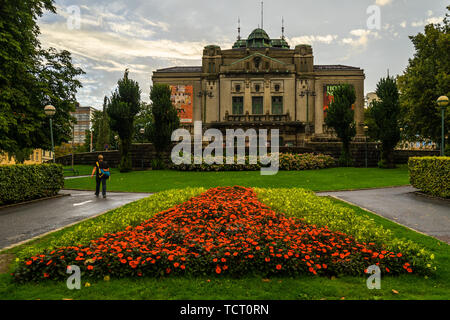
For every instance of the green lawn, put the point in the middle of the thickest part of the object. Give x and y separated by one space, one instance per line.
407 286
317 180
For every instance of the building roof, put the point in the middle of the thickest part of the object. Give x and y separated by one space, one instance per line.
334 67
189 69
198 69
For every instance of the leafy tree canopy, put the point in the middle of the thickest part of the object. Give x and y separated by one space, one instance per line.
30 78
424 80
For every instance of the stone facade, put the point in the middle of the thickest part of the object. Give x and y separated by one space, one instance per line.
263 83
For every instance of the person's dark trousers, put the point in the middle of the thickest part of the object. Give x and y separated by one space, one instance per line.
97 187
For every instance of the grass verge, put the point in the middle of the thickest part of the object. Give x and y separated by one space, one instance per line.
316 180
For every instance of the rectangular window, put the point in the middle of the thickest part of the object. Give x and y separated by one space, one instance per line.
277 105
238 105
257 105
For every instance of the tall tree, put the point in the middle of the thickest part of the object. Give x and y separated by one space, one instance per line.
340 117
424 80
385 125
165 117
125 104
30 78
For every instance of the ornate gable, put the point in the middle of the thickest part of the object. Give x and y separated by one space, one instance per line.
258 62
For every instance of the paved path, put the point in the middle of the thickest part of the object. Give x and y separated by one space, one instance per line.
403 205
23 222
76 177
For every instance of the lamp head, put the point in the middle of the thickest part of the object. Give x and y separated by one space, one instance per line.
50 110
442 101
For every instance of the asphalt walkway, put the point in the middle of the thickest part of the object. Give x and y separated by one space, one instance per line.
24 222
404 206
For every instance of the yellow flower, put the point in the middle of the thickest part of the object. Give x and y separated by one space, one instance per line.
87 284
106 278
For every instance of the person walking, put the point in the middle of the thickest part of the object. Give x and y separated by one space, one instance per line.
101 171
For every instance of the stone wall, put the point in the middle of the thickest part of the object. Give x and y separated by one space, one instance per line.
142 154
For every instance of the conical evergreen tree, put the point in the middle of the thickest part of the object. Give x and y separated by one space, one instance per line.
385 114
340 117
124 104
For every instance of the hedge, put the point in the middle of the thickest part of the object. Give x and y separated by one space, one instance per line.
19 183
321 211
431 175
288 162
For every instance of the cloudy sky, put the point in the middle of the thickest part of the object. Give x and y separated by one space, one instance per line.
144 35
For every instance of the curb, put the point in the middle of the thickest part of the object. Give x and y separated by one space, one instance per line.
33 201
381 216
362 189
425 195
3 250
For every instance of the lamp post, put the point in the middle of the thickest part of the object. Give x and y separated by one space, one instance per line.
366 129
116 139
205 93
50 112
142 131
307 93
443 103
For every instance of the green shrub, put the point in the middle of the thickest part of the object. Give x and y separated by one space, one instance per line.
116 220
288 161
19 183
321 211
431 175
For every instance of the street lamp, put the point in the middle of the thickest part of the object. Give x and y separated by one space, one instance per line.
307 93
50 112
142 131
443 103
116 138
366 130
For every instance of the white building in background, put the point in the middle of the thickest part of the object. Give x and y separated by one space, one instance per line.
84 117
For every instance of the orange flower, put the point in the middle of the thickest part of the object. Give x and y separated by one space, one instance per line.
218 270
278 266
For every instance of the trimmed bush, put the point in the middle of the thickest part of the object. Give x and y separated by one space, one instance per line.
321 211
19 183
431 175
288 161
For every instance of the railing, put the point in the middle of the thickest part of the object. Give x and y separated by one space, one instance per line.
257 117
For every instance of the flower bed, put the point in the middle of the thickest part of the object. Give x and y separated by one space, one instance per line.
288 161
321 211
223 231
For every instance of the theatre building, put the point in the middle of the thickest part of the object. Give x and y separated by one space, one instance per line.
261 83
